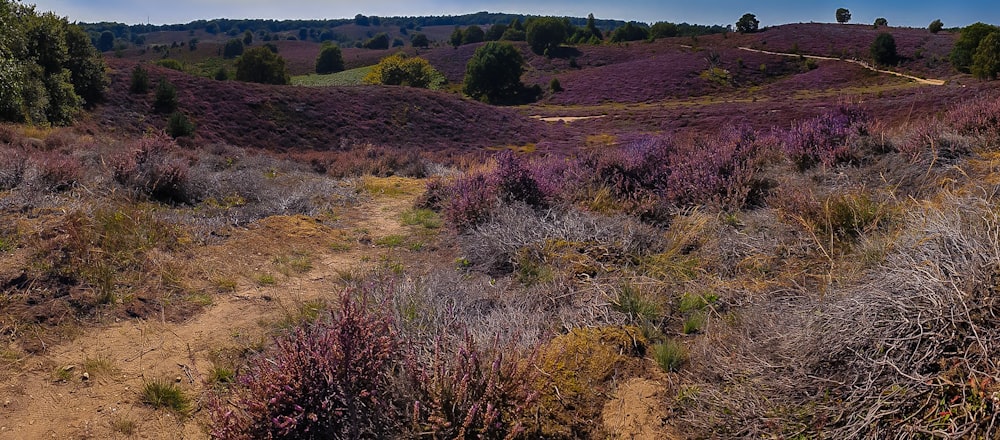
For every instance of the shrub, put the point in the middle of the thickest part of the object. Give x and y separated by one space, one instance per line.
261 65
178 125
331 379
843 15
822 140
473 34
880 22
546 34
748 23
151 167
399 70
379 42
232 49
13 164
464 394
986 59
222 74
330 60
968 42
494 73
419 40
935 26
171 64
630 32
57 171
555 86
883 49
166 97
140 80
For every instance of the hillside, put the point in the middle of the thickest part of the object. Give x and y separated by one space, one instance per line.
298 119
691 239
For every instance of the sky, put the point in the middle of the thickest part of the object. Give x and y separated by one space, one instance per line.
914 13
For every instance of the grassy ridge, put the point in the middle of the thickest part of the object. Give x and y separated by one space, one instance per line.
353 77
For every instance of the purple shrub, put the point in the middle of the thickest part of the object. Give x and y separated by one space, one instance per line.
152 168
556 177
57 171
720 171
979 117
13 164
332 379
473 197
824 139
466 395
513 181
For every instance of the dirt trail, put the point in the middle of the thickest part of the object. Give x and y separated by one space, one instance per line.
932 82
107 405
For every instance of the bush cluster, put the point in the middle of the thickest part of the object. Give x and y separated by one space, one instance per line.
153 167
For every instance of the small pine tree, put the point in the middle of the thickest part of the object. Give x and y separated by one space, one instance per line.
555 86
166 97
140 80
178 125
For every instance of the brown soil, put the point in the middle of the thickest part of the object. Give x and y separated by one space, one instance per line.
636 411
48 396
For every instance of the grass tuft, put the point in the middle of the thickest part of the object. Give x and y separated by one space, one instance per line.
164 394
670 355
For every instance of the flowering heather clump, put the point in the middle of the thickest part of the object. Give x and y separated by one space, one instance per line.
720 171
465 395
823 140
331 379
151 168
979 117
634 171
57 171
472 198
474 195
513 181
12 167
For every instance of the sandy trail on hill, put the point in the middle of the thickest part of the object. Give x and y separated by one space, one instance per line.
931 82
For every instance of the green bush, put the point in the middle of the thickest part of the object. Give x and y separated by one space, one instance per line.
379 41
935 26
419 40
494 73
555 86
967 44
140 80
986 60
330 60
178 125
400 70
163 394
232 49
884 49
545 34
166 97
170 63
261 65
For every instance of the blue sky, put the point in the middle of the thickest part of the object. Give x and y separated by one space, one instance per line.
917 13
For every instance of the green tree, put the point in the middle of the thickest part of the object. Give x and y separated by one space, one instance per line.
883 49
247 38
379 41
456 37
473 34
400 70
166 97
232 49
494 73
330 60
967 43
106 41
843 15
222 74
663 29
747 24
630 32
419 40
935 26
592 27
86 66
261 65
986 60
545 34
495 32
178 125
361 20
140 80
880 22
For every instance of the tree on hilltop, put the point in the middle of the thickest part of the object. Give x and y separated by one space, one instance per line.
968 43
493 74
935 26
880 22
986 60
843 15
748 23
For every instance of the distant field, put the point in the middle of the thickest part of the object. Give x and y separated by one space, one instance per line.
351 77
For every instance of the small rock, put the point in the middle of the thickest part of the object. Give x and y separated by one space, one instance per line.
178 379
85 376
6 402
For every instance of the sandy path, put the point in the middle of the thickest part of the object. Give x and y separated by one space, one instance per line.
36 406
932 82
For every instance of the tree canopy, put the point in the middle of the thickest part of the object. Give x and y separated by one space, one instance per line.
884 49
493 74
48 67
400 70
545 34
843 15
748 23
330 59
967 44
261 65
986 60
